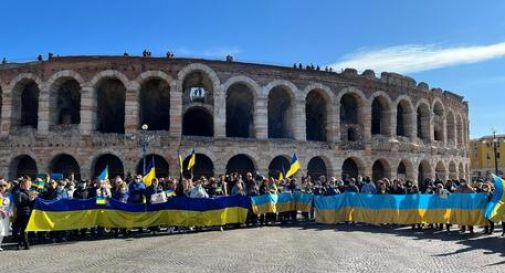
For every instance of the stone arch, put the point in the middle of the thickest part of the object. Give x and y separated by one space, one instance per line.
240 101
317 108
199 83
23 165
281 111
203 167
114 163
381 110
461 171
423 119
453 172
459 130
278 164
110 74
65 89
352 167
451 128
242 164
245 80
404 116
110 98
440 171
352 103
381 169
423 171
317 167
65 164
25 94
198 121
405 170
154 101
160 165
438 120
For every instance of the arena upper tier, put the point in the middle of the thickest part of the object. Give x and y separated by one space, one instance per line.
78 114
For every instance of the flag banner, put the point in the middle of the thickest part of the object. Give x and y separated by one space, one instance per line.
192 160
282 202
294 167
457 208
104 174
67 214
495 210
150 174
303 201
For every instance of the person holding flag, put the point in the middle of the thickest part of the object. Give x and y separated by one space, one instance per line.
192 162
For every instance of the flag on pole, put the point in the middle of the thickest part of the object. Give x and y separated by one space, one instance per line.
150 173
295 166
495 210
104 174
181 162
192 160
281 176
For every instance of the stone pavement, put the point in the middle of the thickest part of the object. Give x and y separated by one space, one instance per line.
307 248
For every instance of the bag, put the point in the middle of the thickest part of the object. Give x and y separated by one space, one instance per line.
158 198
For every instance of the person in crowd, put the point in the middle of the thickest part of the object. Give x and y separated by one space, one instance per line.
5 210
351 186
24 204
238 187
368 186
381 187
442 192
155 189
198 191
137 191
61 191
332 189
50 192
397 187
120 191
81 192
465 188
488 188
70 189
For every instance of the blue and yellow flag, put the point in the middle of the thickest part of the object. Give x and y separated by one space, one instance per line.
104 174
281 176
295 166
150 173
192 160
100 200
495 210
181 163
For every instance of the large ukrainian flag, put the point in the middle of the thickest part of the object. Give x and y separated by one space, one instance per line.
150 174
495 210
295 166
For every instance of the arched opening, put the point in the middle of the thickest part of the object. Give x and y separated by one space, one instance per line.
154 105
349 109
380 170
440 171
423 172
380 116
241 164
197 121
403 119
459 129
239 111
461 171
277 165
67 98
203 167
315 116
401 171
438 122
451 128
350 168
25 104
114 164
23 165
423 121
160 165
198 88
453 174
352 134
110 96
280 113
66 165
316 168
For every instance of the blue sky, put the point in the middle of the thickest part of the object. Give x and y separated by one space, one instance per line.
455 45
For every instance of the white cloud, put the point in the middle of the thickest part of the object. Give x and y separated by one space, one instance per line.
415 58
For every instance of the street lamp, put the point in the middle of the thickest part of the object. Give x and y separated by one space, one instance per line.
495 152
144 143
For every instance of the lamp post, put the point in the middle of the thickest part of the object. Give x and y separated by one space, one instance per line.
495 152
144 143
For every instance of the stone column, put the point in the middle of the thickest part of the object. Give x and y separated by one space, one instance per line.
261 118
365 120
131 120
298 121
175 110
411 125
6 113
391 131
333 124
220 113
88 110
43 115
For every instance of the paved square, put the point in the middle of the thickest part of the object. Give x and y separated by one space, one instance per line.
308 248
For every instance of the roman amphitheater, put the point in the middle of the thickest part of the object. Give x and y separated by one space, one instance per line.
75 115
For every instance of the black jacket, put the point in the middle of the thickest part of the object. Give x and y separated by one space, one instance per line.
23 203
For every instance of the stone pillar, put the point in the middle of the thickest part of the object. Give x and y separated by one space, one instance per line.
411 125
43 115
220 113
88 111
6 113
175 110
261 118
391 114
131 121
333 124
365 120
299 130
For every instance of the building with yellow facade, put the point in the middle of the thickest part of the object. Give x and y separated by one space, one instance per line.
482 155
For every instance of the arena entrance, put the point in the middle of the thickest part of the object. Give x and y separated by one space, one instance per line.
23 165
67 165
160 165
154 105
203 167
115 166
111 95
241 164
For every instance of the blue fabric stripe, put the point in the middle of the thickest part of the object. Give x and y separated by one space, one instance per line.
497 196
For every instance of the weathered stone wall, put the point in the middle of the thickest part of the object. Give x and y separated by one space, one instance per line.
83 142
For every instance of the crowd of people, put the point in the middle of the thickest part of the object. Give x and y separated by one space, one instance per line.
17 198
